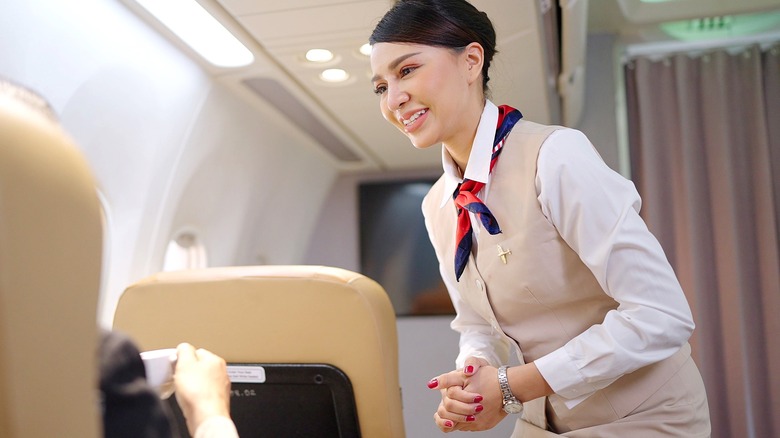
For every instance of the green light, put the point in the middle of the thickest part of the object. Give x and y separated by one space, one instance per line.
727 26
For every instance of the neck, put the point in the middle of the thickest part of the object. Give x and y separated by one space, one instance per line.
459 148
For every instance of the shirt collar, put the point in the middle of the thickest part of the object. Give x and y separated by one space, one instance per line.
478 168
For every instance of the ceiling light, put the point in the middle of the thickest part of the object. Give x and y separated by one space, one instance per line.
334 75
319 55
201 31
365 49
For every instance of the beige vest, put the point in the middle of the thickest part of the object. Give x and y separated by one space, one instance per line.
544 295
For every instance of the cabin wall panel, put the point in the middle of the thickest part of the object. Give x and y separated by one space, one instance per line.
168 144
125 95
252 190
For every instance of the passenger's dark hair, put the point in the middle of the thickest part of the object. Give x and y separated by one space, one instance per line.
451 24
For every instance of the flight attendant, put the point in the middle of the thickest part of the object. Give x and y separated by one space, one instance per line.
542 249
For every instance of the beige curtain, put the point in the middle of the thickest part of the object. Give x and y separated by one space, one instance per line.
704 140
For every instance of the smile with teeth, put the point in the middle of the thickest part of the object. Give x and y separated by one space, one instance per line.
414 117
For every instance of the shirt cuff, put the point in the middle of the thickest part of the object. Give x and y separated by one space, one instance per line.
217 427
564 377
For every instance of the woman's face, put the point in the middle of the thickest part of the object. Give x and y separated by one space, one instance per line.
425 91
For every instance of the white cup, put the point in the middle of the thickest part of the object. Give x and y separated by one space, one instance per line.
159 365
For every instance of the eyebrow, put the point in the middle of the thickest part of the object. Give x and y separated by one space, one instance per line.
396 62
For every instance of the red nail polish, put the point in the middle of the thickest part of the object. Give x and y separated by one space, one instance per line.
448 423
479 408
433 383
469 369
470 418
478 399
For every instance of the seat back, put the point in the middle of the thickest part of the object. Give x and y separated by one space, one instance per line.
50 261
279 314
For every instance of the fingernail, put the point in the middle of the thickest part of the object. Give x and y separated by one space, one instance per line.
433 383
478 399
479 408
448 423
469 369
470 418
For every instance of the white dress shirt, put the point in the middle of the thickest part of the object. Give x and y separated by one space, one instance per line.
583 198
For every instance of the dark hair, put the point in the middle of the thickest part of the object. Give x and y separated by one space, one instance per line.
452 24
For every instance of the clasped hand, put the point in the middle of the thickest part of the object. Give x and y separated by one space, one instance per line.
470 398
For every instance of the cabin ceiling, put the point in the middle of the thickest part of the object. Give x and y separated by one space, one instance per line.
344 119
286 30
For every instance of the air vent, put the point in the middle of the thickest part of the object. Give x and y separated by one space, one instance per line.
278 96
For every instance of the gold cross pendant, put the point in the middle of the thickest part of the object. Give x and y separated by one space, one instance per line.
502 253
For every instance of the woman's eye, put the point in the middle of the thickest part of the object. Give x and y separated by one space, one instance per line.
380 90
406 70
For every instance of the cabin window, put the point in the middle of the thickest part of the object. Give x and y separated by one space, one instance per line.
185 251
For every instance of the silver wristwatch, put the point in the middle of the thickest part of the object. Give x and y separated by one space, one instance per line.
511 404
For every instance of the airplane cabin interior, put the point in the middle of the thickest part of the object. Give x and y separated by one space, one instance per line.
249 198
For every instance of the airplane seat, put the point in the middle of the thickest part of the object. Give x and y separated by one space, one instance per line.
286 318
50 261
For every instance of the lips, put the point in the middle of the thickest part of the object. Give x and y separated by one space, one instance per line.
409 119
414 117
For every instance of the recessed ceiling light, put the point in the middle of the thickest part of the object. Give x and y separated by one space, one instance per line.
201 31
319 55
365 49
334 75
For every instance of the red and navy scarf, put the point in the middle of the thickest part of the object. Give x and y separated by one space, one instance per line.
466 199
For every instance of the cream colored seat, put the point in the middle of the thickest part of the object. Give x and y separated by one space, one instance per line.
279 314
50 260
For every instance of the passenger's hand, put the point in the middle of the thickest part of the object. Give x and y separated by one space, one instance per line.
458 406
202 385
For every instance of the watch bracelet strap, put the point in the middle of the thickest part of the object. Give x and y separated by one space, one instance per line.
503 383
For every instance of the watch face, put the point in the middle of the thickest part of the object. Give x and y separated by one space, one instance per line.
513 407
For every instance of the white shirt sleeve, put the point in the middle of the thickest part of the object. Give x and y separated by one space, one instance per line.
596 211
478 338
217 427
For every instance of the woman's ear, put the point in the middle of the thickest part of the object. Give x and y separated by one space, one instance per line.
474 56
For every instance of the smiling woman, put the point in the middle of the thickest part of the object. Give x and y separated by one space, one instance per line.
556 268
434 59
432 94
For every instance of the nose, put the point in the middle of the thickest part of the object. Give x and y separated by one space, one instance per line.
396 98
